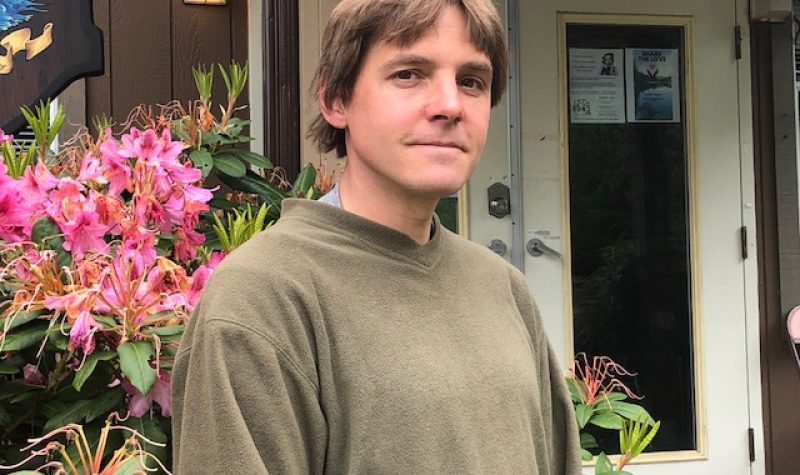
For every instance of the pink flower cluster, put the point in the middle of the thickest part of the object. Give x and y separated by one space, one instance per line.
159 192
126 196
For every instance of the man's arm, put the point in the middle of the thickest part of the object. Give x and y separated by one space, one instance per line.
241 405
561 429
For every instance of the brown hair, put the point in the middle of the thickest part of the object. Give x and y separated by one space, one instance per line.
355 25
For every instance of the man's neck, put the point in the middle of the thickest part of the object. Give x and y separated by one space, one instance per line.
410 215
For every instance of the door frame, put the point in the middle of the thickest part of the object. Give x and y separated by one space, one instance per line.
747 188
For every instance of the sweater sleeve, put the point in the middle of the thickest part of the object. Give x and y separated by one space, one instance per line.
242 404
561 437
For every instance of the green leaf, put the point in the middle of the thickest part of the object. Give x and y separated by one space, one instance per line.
230 165
153 431
603 464
573 390
19 319
131 467
221 203
5 417
11 389
46 233
105 403
134 360
58 340
27 472
12 365
606 420
24 396
616 396
74 412
211 138
583 412
254 183
165 331
586 455
203 160
305 179
629 411
105 320
89 365
588 441
25 338
53 407
251 157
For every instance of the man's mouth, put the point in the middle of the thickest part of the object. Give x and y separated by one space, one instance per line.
441 143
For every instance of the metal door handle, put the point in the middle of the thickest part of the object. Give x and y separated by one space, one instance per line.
536 247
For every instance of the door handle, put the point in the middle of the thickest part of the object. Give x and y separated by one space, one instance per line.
536 247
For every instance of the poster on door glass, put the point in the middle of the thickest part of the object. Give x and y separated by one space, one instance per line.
596 86
653 85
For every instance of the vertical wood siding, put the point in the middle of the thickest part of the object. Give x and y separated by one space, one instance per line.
151 46
780 378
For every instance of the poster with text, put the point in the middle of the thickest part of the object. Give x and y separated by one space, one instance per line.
653 85
596 86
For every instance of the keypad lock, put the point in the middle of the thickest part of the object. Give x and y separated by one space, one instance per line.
499 200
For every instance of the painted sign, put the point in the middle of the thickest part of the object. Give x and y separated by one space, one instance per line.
44 46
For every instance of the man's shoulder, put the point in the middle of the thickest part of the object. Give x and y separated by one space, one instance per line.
476 255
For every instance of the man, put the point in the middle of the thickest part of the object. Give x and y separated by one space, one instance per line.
358 335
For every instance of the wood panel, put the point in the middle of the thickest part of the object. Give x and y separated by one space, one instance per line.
98 89
780 378
151 46
200 35
141 70
239 39
282 85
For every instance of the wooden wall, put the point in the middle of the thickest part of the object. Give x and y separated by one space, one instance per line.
151 45
777 257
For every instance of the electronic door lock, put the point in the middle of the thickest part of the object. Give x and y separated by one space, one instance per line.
499 200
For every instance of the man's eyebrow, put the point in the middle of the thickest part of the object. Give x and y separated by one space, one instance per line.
405 60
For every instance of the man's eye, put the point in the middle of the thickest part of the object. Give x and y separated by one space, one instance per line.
473 83
406 75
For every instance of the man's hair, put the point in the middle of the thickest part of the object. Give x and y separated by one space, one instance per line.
357 25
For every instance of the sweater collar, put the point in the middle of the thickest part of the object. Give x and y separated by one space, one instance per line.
379 237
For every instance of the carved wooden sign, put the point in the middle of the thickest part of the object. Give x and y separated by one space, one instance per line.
44 46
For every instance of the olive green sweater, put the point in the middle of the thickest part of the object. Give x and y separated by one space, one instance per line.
332 344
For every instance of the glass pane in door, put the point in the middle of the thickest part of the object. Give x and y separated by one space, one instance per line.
629 215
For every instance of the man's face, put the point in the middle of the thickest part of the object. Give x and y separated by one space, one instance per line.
417 120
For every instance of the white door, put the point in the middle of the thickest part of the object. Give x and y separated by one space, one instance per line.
642 186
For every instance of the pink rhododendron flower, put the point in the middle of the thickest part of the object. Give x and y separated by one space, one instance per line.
81 335
142 145
186 242
5 138
140 249
84 232
14 211
92 170
200 279
77 305
140 404
115 166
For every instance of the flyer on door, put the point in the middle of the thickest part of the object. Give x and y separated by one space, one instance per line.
653 85
596 86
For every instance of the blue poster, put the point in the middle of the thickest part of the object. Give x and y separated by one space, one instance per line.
653 85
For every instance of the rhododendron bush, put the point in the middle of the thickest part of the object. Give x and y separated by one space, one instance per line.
105 248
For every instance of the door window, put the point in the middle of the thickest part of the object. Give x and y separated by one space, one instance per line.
629 215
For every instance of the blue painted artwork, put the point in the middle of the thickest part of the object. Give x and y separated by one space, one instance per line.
15 12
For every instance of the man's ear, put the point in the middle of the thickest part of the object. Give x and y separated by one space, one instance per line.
334 113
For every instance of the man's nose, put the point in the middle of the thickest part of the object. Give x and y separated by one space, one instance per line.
445 102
